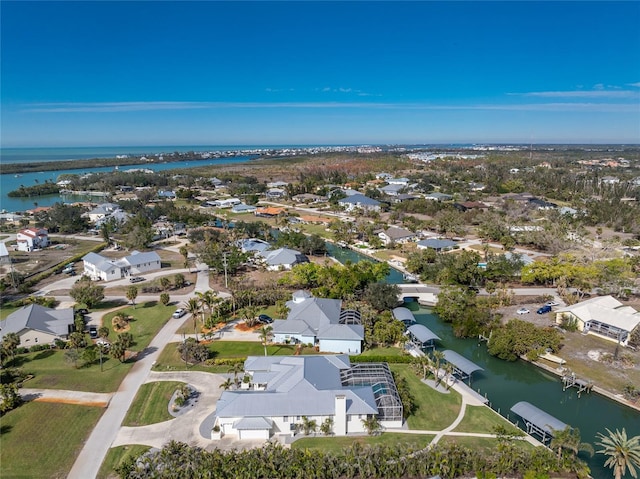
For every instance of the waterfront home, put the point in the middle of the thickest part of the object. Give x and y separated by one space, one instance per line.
437 196
437 244
29 239
35 324
602 316
4 254
396 235
253 245
321 322
282 259
98 267
101 211
359 201
284 391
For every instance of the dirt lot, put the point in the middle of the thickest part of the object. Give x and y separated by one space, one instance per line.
588 356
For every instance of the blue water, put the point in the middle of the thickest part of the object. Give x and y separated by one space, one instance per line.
506 383
12 182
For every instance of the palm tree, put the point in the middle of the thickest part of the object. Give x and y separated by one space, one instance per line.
438 356
10 343
623 453
236 369
371 424
226 385
192 305
131 294
569 439
265 335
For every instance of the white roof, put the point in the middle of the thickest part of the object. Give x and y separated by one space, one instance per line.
3 250
606 310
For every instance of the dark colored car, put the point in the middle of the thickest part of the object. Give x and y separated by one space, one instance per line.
265 319
82 311
93 332
545 309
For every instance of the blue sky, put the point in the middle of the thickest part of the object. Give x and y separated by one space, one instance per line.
243 73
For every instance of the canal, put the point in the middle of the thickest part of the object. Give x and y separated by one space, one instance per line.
505 383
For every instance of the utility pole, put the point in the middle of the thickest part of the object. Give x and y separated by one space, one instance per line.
224 262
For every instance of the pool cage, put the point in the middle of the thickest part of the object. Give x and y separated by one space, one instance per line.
379 377
350 316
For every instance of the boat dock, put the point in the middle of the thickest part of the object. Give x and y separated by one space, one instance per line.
569 380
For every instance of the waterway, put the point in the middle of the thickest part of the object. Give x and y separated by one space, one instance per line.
506 383
10 182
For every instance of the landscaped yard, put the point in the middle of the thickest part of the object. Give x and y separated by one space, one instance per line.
483 419
434 410
339 444
151 404
52 371
483 444
148 319
42 439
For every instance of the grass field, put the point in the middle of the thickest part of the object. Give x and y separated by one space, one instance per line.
6 311
483 444
434 410
338 444
151 404
148 319
483 419
51 371
43 439
116 456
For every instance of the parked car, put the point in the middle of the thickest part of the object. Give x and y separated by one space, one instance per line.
93 332
136 279
179 313
545 309
82 311
552 303
523 311
68 270
265 319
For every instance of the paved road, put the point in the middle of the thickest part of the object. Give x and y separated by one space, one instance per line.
95 448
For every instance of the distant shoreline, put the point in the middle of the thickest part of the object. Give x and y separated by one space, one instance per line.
19 168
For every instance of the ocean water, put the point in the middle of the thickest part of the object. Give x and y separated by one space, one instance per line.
29 155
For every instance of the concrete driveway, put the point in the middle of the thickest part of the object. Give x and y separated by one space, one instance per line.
186 427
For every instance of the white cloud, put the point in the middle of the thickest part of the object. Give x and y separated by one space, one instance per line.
636 84
117 107
598 93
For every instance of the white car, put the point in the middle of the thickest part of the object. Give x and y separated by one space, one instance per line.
552 303
523 311
179 313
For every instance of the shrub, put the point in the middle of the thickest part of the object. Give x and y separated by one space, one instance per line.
39 347
381 359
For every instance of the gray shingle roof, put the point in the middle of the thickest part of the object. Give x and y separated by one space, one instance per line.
359 199
38 318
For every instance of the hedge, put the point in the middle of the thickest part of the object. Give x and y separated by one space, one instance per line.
225 361
382 359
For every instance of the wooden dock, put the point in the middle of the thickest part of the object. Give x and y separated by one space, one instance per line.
569 380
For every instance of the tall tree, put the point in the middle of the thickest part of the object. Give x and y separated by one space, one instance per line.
86 292
265 335
131 294
622 452
192 305
10 343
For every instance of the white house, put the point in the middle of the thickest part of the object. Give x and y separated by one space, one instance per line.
35 324
602 316
98 267
396 235
284 389
320 322
282 258
351 203
32 238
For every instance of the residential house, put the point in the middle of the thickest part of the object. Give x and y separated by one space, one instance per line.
253 245
242 208
275 193
277 184
392 189
285 389
437 244
35 324
469 205
308 198
98 267
269 211
609 180
282 258
359 201
4 254
320 322
29 239
476 186
225 203
399 181
167 194
101 211
602 316
437 196
396 235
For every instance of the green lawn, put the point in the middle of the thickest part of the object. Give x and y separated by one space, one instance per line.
435 410
170 360
339 444
390 351
43 439
483 419
116 456
7 310
151 404
148 319
51 371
